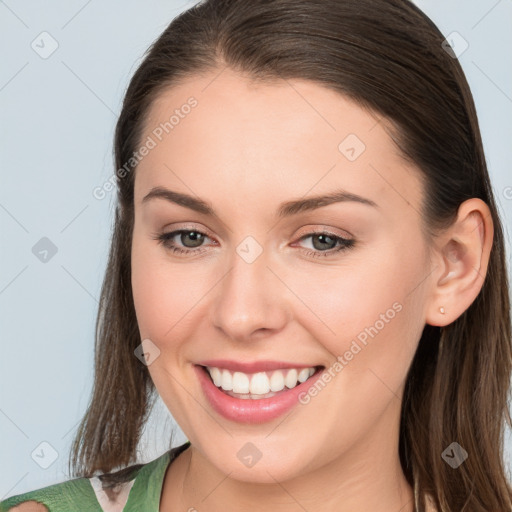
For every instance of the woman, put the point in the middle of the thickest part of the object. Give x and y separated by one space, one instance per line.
307 266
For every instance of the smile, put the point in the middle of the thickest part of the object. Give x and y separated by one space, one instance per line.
258 385
255 397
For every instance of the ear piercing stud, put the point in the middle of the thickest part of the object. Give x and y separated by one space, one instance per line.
442 310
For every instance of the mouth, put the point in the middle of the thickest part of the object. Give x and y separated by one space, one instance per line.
258 397
259 385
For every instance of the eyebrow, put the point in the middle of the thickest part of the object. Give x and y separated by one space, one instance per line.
286 209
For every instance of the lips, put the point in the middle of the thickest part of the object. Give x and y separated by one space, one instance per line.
244 410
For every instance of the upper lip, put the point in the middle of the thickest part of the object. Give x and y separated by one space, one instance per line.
253 367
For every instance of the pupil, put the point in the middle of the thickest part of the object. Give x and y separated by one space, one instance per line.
195 236
322 239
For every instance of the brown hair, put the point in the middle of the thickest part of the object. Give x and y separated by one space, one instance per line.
388 57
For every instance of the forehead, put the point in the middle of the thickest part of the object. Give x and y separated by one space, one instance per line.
216 133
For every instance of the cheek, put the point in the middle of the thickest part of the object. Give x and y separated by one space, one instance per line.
168 295
368 311
153 296
368 321
163 297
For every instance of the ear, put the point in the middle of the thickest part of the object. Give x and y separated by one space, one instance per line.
460 259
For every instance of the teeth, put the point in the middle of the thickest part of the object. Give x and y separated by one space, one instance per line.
277 381
227 380
260 383
304 375
291 378
216 376
240 383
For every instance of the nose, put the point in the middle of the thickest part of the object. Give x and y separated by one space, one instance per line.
251 300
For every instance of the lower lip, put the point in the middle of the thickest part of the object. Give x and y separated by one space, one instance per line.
248 410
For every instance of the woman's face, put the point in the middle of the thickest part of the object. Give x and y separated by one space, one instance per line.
259 284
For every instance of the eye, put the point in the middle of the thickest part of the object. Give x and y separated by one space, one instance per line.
191 240
326 244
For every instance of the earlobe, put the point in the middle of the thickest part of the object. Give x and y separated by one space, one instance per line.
463 253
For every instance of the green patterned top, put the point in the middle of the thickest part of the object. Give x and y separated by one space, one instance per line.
142 492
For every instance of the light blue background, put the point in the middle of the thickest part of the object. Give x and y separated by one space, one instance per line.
57 121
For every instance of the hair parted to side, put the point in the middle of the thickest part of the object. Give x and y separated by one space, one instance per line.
387 57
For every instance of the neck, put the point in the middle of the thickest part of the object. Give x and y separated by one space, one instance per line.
367 477
322 491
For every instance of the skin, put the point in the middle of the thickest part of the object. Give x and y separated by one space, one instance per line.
245 149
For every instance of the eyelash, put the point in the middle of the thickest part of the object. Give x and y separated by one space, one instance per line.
166 240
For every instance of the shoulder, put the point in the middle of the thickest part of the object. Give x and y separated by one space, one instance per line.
58 497
130 487
30 506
